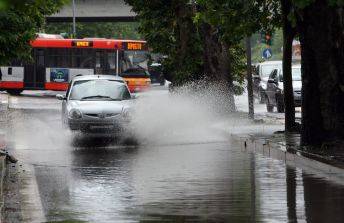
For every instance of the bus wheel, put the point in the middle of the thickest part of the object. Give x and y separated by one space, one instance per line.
14 91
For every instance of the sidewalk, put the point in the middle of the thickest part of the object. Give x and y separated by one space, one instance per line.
327 162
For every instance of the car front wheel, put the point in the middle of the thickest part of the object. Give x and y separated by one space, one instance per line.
269 107
279 104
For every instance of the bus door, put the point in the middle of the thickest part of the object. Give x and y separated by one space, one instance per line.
106 62
34 74
100 62
29 76
39 69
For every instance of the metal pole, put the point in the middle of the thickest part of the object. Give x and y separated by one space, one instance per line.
74 26
117 63
249 79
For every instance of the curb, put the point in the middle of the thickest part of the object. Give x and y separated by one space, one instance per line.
291 156
2 175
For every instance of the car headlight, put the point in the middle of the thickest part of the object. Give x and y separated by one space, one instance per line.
126 114
263 85
75 114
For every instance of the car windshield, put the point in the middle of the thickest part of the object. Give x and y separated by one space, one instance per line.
267 69
295 73
99 90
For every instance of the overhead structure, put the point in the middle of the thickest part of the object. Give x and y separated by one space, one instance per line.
95 11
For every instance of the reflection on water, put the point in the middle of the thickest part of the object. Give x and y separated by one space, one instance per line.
186 183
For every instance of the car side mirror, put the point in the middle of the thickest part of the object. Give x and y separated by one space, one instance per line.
61 97
134 96
272 81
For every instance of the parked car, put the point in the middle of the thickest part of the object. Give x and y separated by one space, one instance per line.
96 104
275 90
261 76
156 74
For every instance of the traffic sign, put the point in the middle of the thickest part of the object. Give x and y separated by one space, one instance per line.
267 53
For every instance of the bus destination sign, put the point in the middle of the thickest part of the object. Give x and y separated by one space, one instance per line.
134 46
77 43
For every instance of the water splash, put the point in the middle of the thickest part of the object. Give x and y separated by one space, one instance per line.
185 116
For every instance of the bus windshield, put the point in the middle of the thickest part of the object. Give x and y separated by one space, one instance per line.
134 64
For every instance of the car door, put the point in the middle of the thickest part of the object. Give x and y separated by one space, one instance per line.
271 87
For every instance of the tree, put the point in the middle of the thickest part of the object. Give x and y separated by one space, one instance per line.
169 29
289 33
225 24
119 30
201 38
320 27
20 20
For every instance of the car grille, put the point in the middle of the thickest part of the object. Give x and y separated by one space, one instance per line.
102 115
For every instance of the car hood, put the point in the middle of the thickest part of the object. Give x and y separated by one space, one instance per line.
297 85
96 107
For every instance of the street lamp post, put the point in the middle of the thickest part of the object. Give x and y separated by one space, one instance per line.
74 26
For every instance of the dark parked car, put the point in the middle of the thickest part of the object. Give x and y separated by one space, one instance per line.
275 91
156 74
260 78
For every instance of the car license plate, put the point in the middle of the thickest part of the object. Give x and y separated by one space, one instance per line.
101 127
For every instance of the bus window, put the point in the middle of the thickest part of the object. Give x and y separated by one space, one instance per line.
58 57
83 58
112 60
101 62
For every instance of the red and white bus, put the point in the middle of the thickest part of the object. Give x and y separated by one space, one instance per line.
56 61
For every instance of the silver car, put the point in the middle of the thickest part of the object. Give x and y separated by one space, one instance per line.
96 104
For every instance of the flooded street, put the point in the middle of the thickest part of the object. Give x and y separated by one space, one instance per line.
204 179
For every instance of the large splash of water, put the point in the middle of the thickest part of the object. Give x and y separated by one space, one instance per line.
187 115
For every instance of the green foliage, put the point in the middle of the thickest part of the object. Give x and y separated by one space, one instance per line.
162 24
303 3
120 30
20 20
168 28
258 47
236 19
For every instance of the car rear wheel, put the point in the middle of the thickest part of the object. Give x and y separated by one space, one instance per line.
261 97
14 91
279 105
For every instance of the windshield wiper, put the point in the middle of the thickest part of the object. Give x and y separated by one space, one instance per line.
101 96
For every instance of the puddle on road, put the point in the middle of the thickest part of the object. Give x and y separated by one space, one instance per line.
184 171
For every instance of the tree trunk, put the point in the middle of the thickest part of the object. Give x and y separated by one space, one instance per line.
288 37
249 79
217 67
322 43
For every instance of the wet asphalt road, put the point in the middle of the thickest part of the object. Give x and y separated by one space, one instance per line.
100 180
